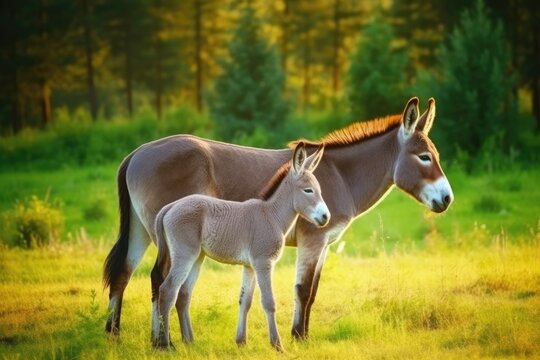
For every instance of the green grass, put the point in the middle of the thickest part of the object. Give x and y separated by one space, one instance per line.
503 204
445 304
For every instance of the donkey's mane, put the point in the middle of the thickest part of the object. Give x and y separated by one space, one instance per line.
274 182
355 132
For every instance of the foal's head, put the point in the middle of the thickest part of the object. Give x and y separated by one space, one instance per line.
307 198
417 170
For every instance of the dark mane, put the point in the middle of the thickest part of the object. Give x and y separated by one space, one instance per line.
355 132
274 182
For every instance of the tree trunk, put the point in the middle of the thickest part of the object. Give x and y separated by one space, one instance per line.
92 96
128 64
285 37
13 94
159 80
336 42
535 78
45 89
306 88
45 103
535 98
198 57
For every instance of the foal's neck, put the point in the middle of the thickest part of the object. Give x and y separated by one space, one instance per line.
280 206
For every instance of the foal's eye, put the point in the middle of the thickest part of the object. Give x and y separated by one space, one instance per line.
308 191
424 157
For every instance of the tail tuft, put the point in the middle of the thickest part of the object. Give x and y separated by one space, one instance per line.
115 261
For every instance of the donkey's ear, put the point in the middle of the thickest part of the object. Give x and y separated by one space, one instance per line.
299 157
314 159
426 120
410 118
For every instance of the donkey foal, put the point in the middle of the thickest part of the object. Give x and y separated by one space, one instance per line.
250 233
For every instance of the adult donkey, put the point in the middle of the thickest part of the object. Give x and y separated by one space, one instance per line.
361 164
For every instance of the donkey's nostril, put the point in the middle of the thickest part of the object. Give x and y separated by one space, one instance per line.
447 199
325 217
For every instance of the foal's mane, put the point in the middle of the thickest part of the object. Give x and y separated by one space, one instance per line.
355 132
274 182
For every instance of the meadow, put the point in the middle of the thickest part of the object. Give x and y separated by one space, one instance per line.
401 284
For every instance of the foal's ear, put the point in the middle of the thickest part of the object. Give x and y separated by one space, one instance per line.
299 157
426 120
410 118
314 159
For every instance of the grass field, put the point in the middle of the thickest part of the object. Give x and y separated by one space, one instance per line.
402 283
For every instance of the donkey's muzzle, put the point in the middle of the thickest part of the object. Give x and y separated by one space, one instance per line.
323 220
442 204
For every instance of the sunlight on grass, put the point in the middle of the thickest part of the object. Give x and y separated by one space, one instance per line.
439 304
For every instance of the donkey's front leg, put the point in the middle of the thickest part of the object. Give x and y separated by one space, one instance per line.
307 265
246 297
264 272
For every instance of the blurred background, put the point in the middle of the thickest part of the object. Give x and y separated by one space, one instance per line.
85 82
109 75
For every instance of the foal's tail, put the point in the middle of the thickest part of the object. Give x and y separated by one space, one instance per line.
161 241
115 262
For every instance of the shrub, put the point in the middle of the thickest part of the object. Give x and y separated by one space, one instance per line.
37 222
97 210
488 204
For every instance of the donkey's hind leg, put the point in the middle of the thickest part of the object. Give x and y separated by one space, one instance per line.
246 297
184 300
138 241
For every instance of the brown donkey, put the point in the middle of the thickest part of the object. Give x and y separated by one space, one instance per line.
250 233
362 163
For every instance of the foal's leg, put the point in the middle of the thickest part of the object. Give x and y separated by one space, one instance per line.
184 300
246 297
138 243
264 272
168 293
306 268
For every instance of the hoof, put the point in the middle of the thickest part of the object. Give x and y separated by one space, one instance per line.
163 345
278 347
112 330
241 342
299 335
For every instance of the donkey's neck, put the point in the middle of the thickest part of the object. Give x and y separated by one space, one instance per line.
280 207
367 168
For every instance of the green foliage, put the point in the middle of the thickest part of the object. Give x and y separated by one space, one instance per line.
474 87
81 143
37 223
377 74
96 210
248 94
488 203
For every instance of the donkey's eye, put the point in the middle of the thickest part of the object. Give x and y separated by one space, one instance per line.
424 157
308 191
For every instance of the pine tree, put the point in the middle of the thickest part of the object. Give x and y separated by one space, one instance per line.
248 94
474 86
376 76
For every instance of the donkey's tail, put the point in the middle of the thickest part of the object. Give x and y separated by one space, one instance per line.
115 262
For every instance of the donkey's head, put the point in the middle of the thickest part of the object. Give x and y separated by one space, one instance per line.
418 171
307 199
